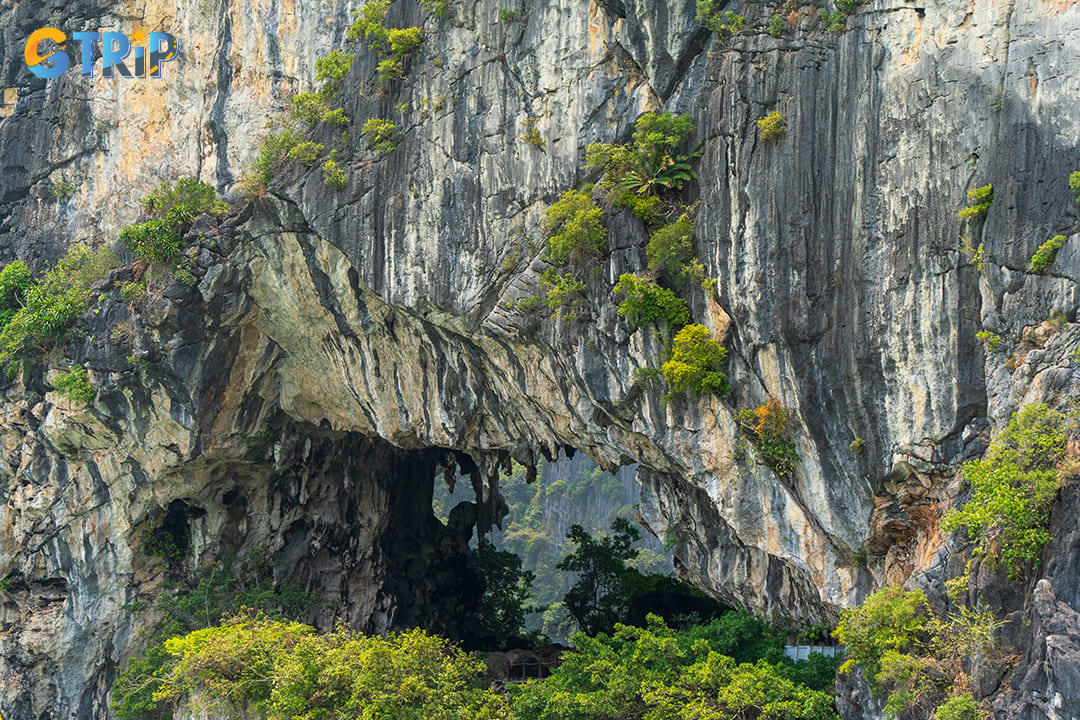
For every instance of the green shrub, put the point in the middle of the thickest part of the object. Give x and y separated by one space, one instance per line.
437 8
656 161
334 176
645 302
1044 256
190 195
857 445
671 249
274 153
772 126
959 707
133 290
776 25
15 281
979 200
507 15
381 134
989 338
1012 490
75 385
695 363
306 152
404 40
1074 183
52 305
389 70
848 7
62 190
158 241
769 429
834 22
645 207
574 228
563 292
370 23
307 107
330 71
890 619
224 589
710 15
335 117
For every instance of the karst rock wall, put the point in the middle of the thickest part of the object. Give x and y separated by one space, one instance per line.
372 327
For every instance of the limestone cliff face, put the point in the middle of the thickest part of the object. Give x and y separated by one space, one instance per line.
371 329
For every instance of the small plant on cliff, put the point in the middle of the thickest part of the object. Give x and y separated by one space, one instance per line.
768 428
51 306
990 339
776 25
772 126
574 228
306 152
644 302
334 176
671 250
563 293
1045 255
658 160
330 72
695 363
834 22
173 209
1074 183
979 201
75 385
15 281
1012 490
62 190
381 134
720 22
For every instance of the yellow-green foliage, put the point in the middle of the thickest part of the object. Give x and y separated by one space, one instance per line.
334 176
1012 490
772 126
959 707
656 161
52 305
307 107
330 72
274 153
768 427
695 363
671 250
389 70
563 292
1047 252
381 134
75 385
15 281
173 208
1074 183
370 23
306 152
574 228
404 40
979 200
710 15
656 673
285 671
917 660
645 302
989 338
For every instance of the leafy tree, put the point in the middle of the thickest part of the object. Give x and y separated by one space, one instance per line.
695 363
657 160
574 228
1013 489
505 601
605 587
645 302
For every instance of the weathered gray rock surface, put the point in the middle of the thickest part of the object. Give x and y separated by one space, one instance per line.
370 329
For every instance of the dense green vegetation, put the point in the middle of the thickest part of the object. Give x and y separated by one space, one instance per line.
1013 488
979 201
768 428
1074 184
656 161
40 313
1044 256
772 126
172 209
575 232
225 589
75 385
277 670
916 659
507 591
695 363
645 302
671 251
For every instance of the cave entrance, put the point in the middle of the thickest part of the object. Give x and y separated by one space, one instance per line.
567 491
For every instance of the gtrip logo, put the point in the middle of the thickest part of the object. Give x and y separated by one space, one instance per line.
151 50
